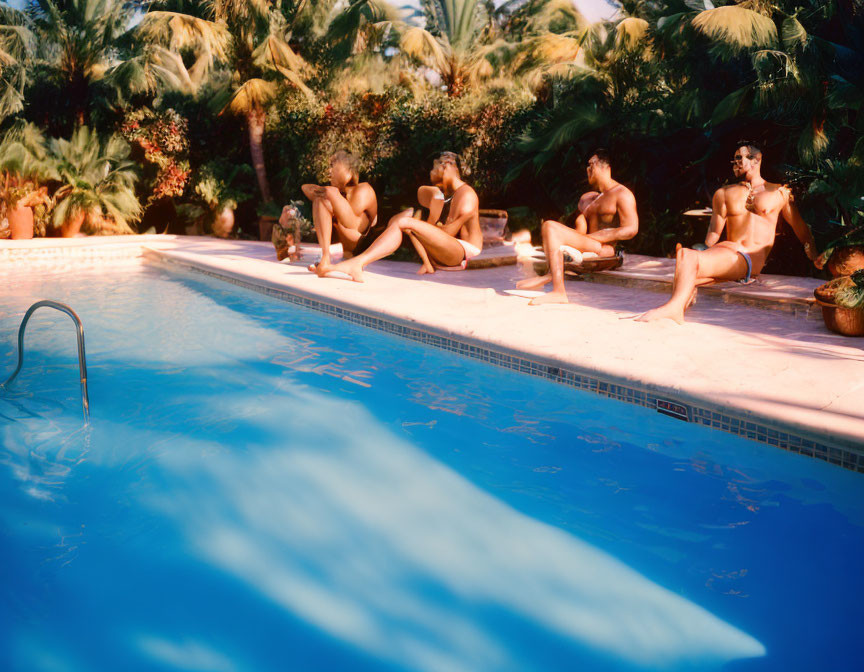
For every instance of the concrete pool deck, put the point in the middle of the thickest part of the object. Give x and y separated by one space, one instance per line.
782 371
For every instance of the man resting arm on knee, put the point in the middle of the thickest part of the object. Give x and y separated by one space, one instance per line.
449 238
606 217
749 211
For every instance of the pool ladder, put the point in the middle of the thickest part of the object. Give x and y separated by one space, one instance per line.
82 361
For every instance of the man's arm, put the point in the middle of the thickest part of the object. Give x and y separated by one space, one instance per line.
718 218
628 221
426 197
312 191
799 226
469 207
426 194
349 213
580 224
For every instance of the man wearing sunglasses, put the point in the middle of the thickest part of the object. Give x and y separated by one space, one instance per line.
606 217
749 211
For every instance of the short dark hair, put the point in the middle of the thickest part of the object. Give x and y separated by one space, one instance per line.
346 157
751 146
449 157
455 159
603 155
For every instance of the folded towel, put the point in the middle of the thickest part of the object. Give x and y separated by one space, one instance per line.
571 254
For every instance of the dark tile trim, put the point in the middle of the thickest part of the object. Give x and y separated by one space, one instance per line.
666 404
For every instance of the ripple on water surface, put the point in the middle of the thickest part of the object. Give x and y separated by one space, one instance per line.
264 487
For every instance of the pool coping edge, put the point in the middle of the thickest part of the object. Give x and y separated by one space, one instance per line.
841 450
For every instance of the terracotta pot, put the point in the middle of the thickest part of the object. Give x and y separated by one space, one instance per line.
21 223
72 227
845 321
224 223
846 260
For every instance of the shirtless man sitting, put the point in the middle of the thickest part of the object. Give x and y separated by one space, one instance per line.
749 211
347 204
449 237
606 216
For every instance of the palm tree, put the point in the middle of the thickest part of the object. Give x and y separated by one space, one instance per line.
17 44
612 84
797 78
451 44
250 39
75 40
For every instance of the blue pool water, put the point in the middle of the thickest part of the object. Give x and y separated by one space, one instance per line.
266 488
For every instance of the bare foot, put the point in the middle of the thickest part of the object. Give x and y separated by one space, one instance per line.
426 268
534 283
551 297
349 267
664 312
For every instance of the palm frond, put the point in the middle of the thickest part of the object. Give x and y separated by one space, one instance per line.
813 142
737 28
732 105
421 45
251 96
275 54
178 31
793 34
631 34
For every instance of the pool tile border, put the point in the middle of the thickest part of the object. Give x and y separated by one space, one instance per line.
752 429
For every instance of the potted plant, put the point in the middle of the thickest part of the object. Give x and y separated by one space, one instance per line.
20 189
842 301
96 182
218 188
833 206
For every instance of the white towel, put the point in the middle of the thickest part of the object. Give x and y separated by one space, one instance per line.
574 255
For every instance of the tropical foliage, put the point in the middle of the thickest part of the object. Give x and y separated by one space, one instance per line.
523 89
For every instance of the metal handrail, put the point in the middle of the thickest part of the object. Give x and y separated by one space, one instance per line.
82 361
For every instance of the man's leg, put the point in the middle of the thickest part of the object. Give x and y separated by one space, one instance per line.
555 235
385 245
440 246
322 218
349 225
694 268
426 265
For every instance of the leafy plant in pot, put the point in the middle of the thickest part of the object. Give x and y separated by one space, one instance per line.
833 206
25 201
842 301
96 181
219 190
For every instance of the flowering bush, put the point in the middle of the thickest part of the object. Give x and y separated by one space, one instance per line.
395 137
163 138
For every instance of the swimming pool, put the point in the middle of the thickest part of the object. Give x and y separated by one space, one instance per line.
267 488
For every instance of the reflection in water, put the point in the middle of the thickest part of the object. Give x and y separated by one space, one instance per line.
235 504
366 537
185 655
